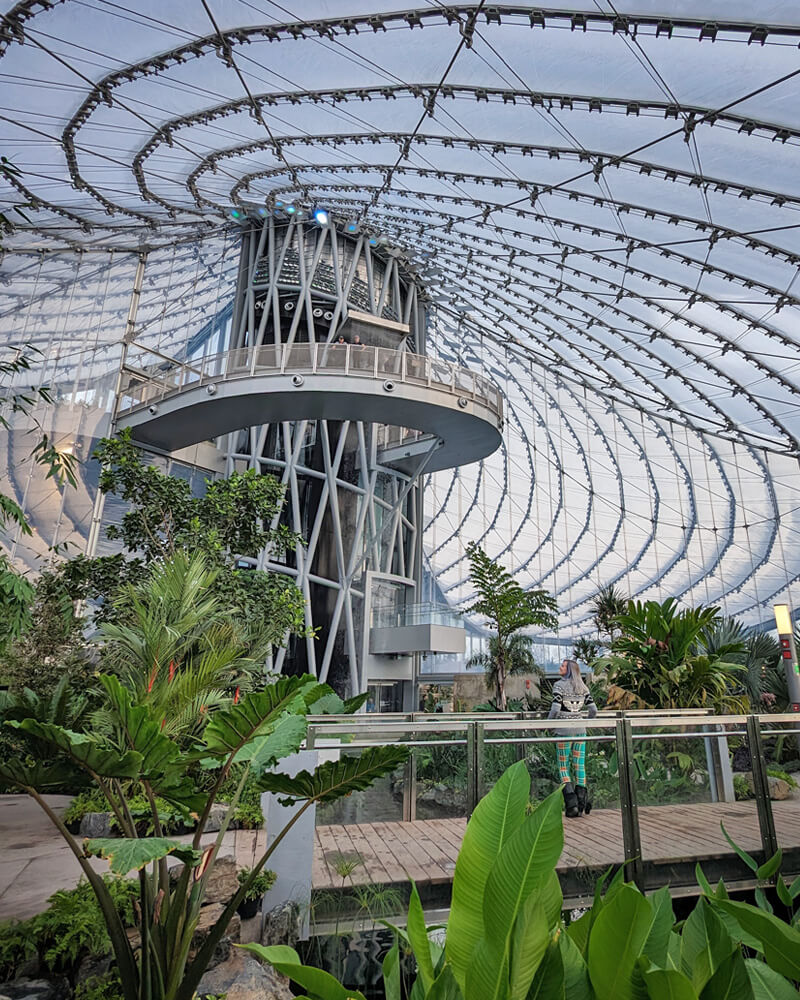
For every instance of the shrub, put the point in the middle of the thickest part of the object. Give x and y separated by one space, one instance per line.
260 884
776 772
741 788
107 987
83 803
69 929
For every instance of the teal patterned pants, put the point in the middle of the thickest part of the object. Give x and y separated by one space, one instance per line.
575 749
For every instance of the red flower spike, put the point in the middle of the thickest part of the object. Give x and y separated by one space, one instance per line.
171 670
236 697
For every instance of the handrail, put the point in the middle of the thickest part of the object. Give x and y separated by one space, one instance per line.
475 731
140 388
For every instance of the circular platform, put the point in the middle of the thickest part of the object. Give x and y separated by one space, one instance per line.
175 406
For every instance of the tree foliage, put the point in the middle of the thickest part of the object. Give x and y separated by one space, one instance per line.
235 518
667 657
507 609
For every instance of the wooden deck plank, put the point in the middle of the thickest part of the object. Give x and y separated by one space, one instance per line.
426 850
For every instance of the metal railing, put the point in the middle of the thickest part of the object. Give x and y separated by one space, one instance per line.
478 740
153 380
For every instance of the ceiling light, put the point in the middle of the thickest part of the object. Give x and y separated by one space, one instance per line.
321 216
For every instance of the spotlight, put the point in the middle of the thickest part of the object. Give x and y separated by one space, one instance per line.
290 209
351 227
262 212
321 216
372 241
237 214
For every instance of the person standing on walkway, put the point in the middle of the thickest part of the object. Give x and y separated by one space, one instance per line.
572 700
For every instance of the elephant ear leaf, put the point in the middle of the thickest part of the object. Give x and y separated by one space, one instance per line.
96 757
335 778
285 739
234 727
38 776
142 733
126 854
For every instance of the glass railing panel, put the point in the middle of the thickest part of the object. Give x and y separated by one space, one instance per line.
301 357
416 369
389 362
689 795
441 776
780 737
268 357
381 802
362 358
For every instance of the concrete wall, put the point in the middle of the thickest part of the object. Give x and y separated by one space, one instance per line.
470 689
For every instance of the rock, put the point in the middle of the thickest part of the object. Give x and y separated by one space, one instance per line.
91 966
242 977
222 883
35 989
208 917
216 816
778 788
282 925
96 825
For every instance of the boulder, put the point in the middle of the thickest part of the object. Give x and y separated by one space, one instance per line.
778 788
282 925
222 884
208 917
96 825
242 977
216 816
35 989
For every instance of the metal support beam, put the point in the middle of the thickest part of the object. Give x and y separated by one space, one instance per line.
766 820
627 801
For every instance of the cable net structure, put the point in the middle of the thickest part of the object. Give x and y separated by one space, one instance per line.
600 200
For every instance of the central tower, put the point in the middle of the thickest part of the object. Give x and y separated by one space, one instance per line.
326 384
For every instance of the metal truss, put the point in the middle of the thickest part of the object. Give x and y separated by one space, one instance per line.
354 514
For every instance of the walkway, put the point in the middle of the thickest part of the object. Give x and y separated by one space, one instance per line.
35 862
426 850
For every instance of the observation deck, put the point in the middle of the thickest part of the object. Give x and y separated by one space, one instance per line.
173 405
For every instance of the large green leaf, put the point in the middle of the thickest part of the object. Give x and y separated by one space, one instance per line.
528 945
232 728
524 866
444 987
39 776
391 973
730 981
142 733
617 939
284 739
578 932
94 756
418 938
576 976
766 983
657 943
549 982
705 945
335 778
318 985
781 943
496 817
127 854
668 984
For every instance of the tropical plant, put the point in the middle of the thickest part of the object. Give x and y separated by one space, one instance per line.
660 659
148 752
508 609
256 887
607 604
586 650
237 517
517 658
506 939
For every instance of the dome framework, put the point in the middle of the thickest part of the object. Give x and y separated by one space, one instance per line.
600 199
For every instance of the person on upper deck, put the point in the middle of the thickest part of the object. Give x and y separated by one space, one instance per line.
572 700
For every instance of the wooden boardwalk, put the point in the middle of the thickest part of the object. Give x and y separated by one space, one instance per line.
426 850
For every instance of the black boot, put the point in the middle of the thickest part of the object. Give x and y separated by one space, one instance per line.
570 801
584 802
